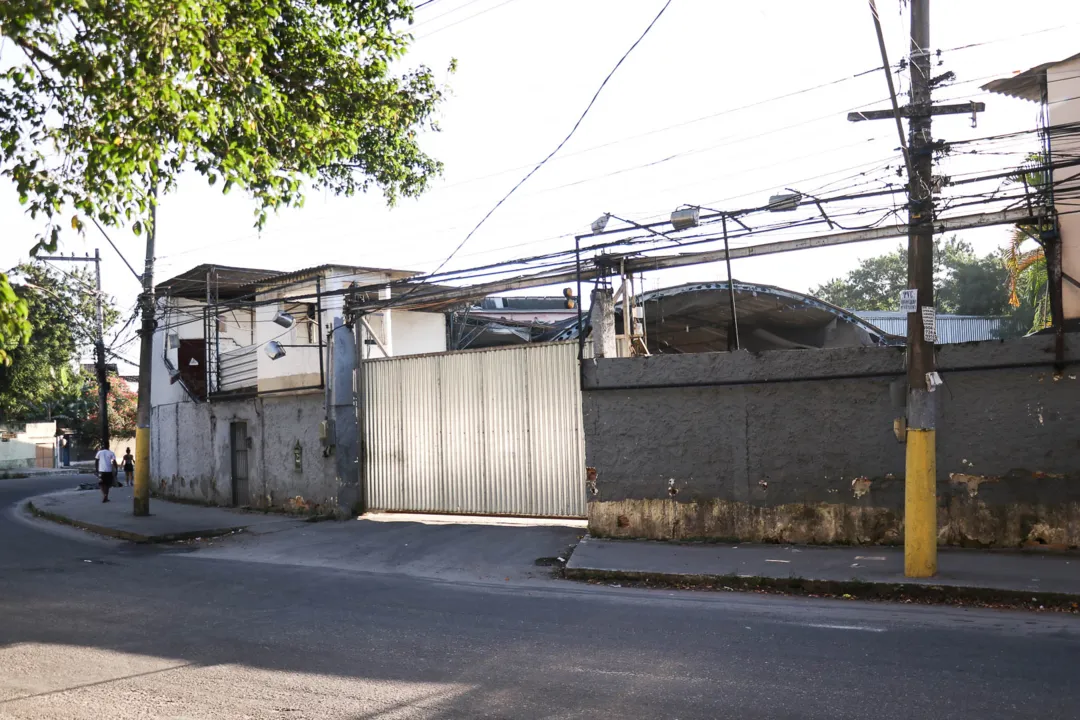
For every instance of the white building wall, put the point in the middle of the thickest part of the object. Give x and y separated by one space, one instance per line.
184 318
417 333
21 451
1063 94
300 365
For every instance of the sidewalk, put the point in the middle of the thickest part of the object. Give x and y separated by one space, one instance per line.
84 468
167 521
866 570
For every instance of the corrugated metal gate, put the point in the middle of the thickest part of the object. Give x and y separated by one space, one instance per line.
494 432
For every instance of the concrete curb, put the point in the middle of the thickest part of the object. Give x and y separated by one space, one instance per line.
128 535
848 589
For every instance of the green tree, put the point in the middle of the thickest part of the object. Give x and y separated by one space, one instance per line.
1028 280
62 315
876 283
14 325
82 409
110 101
964 284
1025 260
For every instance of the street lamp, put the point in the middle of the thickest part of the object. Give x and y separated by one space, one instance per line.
275 350
685 218
784 202
284 319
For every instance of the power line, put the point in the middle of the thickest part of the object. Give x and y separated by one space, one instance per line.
560 145
137 275
451 11
678 125
1010 37
469 17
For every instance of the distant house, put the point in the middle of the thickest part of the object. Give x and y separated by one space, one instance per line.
24 445
1055 85
498 321
546 309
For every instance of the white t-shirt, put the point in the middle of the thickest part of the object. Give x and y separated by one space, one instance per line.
105 459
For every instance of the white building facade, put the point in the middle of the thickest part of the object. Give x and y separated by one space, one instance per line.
242 398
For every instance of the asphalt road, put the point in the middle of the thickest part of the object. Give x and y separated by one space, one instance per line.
97 629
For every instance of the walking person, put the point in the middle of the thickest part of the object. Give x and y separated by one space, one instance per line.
106 467
129 467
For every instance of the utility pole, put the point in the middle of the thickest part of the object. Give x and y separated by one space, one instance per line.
920 494
99 347
146 360
100 372
920 481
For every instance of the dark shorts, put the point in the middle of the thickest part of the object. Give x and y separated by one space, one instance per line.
108 479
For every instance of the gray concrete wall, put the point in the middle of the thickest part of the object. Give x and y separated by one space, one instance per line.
798 446
191 452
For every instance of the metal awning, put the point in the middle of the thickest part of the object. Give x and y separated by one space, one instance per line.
229 282
1027 85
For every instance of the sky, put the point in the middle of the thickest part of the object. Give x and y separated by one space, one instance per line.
670 128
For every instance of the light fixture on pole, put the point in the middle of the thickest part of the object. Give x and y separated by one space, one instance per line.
600 223
688 217
274 350
784 202
284 319
685 218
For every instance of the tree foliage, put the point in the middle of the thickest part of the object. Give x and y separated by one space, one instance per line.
964 284
112 99
83 409
63 322
1028 280
14 324
1025 259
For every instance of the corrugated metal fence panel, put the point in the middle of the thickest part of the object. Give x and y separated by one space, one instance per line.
491 432
950 328
239 369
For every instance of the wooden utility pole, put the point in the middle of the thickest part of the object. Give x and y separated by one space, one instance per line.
146 361
100 371
920 483
920 487
99 352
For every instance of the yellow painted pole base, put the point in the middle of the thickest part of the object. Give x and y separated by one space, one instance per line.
142 471
920 504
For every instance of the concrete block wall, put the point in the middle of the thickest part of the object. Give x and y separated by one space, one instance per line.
191 453
798 446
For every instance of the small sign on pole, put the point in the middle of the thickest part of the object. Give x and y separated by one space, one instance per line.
929 324
909 300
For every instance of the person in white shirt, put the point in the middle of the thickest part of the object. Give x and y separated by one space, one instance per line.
106 467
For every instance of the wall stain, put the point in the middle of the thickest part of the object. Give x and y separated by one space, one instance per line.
963 521
971 481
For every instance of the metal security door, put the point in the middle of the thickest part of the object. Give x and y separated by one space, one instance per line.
493 432
239 436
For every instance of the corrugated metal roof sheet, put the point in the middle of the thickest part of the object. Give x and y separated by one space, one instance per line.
229 281
1026 85
950 328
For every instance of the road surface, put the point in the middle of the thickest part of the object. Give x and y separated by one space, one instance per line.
96 629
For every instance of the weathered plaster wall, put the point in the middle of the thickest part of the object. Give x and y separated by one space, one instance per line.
191 452
798 446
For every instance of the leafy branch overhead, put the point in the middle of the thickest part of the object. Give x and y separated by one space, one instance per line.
113 98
